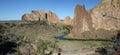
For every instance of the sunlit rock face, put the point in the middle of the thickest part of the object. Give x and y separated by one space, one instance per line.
100 22
52 17
42 16
68 21
82 21
35 16
106 15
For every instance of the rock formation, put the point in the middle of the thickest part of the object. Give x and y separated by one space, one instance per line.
99 22
42 16
35 16
51 17
106 15
68 21
82 21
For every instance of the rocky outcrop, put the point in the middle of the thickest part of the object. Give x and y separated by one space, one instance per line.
82 21
106 15
41 16
52 18
68 21
99 21
35 16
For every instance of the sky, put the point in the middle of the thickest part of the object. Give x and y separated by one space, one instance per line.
14 9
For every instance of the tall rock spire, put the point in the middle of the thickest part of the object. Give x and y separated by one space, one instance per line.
82 21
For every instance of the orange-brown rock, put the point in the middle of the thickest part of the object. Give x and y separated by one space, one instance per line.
106 15
82 21
101 20
68 21
52 17
42 16
35 16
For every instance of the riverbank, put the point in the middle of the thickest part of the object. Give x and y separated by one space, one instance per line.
75 46
34 38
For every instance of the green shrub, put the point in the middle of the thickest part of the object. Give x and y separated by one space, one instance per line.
44 45
67 28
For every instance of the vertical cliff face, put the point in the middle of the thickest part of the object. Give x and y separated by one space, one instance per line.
41 15
106 15
100 22
82 21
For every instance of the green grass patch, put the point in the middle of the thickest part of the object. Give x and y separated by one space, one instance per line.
78 39
84 44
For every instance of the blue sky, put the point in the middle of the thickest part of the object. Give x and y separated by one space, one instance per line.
14 9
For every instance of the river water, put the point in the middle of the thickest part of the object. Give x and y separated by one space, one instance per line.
61 37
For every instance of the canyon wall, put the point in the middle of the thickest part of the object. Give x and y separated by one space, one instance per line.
100 22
